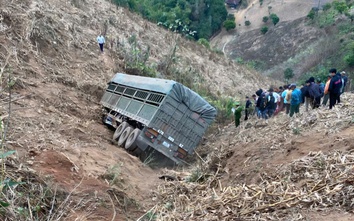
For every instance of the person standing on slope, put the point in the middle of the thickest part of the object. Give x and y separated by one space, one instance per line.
315 94
271 103
295 100
286 102
101 41
345 80
237 113
248 108
325 92
334 88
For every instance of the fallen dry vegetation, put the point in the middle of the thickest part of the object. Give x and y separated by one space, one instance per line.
52 77
263 185
318 181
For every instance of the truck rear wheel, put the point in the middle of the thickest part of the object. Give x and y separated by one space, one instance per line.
119 131
124 136
131 144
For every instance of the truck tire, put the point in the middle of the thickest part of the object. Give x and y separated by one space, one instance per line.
119 131
130 143
124 136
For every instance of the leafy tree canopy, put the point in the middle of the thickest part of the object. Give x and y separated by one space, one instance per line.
264 29
197 18
288 74
341 7
229 24
274 18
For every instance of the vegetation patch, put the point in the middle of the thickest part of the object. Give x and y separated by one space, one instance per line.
202 17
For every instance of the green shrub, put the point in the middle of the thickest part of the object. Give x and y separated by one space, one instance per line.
223 106
239 60
326 7
230 17
327 19
229 24
349 59
274 18
204 42
288 74
311 14
265 19
341 7
247 23
264 29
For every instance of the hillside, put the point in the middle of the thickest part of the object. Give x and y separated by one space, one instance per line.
51 116
286 169
295 40
50 60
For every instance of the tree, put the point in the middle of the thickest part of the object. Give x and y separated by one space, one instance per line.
202 17
229 24
326 7
340 6
275 18
311 14
288 74
265 19
247 23
264 29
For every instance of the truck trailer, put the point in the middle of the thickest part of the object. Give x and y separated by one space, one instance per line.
157 113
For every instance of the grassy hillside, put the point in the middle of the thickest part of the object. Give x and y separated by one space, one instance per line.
309 44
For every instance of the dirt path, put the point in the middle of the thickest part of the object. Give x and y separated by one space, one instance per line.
286 10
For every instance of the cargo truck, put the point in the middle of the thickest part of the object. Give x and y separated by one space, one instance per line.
155 113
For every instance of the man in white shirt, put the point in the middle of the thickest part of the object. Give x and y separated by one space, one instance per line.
101 41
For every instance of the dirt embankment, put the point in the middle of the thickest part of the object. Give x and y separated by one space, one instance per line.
48 48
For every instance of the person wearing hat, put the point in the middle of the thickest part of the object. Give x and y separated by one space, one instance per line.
295 100
237 113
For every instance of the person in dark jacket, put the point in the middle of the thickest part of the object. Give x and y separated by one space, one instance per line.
259 102
315 94
306 95
321 85
247 107
335 86
262 102
271 105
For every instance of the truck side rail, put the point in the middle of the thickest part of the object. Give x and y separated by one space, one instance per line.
138 104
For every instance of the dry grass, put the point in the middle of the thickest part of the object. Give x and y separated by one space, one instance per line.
318 181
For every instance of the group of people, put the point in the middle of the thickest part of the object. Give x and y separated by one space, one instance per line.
288 98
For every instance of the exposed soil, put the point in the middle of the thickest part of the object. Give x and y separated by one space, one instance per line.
294 40
59 77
